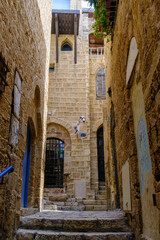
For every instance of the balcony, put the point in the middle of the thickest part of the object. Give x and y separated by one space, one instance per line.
96 51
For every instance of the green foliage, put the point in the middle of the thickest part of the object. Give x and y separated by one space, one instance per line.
102 24
93 2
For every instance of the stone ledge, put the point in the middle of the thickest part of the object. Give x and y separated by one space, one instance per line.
58 197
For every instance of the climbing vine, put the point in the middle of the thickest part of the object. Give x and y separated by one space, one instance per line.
102 24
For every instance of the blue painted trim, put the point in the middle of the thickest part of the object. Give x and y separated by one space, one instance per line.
7 170
83 134
26 168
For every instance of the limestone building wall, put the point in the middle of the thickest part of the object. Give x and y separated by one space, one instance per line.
96 115
133 114
72 94
24 46
69 99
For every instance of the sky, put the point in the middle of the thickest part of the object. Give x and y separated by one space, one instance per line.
56 4
85 4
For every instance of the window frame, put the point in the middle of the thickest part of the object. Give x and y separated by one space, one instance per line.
100 80
66 43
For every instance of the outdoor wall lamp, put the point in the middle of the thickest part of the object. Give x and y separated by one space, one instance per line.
81 119
3 74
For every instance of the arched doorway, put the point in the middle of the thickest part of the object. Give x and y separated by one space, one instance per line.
26 168
100 151
54 166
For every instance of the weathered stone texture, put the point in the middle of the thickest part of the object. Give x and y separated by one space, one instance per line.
24 48
139 19
72 93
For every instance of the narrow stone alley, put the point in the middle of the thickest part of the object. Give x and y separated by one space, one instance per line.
80 120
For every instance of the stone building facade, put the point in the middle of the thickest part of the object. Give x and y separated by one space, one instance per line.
24 52
89 107
73 94
131 116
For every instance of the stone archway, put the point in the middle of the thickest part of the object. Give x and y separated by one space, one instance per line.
54 165
59 132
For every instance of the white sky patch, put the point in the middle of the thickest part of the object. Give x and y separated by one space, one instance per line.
85 4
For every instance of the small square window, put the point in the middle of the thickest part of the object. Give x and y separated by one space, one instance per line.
51 69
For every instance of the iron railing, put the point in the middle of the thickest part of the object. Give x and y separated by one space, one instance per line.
7 170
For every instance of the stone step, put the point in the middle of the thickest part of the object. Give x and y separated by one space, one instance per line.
60 203
85 202
56 207
54 190
95 202
102 188
76 221
102 192
50 207
28 211
91 207
74 208
91 196
95 208
56 235
100 197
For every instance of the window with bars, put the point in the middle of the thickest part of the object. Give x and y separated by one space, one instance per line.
100 84
54 165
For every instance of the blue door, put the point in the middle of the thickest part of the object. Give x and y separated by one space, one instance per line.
26 167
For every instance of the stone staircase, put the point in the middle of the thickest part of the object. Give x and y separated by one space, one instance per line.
98 203
74 225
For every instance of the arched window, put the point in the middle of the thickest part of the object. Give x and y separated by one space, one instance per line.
54 163
100 84
66 47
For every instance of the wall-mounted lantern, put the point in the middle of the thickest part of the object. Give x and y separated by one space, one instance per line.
3 74
81 119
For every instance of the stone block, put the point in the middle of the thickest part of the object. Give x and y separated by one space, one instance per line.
80 189
58 197
14 131
158 200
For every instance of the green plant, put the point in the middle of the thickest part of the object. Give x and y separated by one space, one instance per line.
102 24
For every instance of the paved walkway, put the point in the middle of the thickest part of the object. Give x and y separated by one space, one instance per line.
94 215
75 225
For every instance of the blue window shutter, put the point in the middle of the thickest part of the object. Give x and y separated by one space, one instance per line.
61 4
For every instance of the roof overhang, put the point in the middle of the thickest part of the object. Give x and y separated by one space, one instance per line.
66 20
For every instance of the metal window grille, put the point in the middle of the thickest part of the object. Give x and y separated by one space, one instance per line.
54 165
100 84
